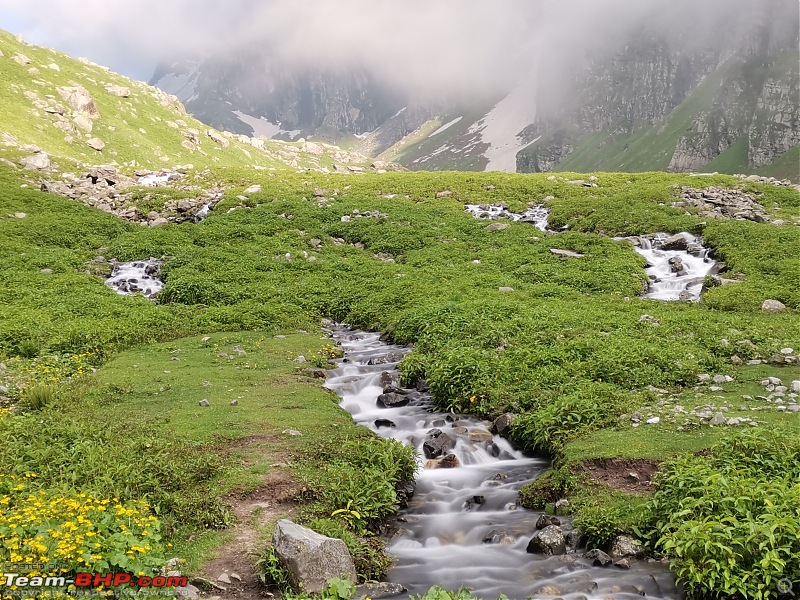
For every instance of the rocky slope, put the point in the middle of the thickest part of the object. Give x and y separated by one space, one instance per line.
60 115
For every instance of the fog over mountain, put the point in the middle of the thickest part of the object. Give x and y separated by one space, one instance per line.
466 84
442 45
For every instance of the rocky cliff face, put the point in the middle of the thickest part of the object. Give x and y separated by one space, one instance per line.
230 91
730 95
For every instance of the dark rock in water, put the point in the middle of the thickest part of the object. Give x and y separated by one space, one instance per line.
675 242
384 423
437 443
422 386
405 491
386 379
549 541
623 563
447 462
547 521
598 558
473 502
439 423
575 539
502 424
498 537
392 400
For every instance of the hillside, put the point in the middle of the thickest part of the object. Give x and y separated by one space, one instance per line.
149 433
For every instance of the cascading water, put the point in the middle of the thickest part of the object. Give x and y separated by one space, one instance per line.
536 216
676 265
463 527
137 277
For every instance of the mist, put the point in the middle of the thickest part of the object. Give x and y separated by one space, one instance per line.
443 46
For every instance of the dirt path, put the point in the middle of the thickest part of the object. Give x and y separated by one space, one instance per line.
232 570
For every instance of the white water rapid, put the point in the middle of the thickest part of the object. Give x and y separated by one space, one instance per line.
137 277
536 216
676 265
463 526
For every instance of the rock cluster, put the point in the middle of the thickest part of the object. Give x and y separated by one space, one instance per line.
722 203
105 188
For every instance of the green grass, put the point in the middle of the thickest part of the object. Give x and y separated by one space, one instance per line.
567 339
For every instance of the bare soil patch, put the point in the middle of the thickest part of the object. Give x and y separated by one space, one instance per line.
623 474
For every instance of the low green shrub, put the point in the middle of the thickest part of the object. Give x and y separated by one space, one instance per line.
549 487
36 397
730 521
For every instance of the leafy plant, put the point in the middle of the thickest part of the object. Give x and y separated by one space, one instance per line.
36 397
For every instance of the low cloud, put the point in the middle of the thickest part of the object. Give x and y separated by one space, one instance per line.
442 45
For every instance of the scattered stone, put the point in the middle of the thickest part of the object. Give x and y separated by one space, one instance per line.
204 403
653 420
253 189
384 423
623 563
444 194
565 253
96 143
717 419
547 521
598 558
218 138
649 319
117 90
39 161
310 558
378 591
480 435
497 227
773 306
224 578
392 400
292 432
80 100
234 403
505 289
548 541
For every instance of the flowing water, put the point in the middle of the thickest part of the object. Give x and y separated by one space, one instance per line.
137 277
536 216
676 268
463 527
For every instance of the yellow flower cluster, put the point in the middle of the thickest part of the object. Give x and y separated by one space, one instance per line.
79 532
47 370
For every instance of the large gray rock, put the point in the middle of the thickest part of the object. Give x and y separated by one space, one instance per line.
624 546
502 424
311 558
773 306
39 161
80 100
549 541
437 443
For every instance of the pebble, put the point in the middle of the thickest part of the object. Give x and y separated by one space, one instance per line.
204 403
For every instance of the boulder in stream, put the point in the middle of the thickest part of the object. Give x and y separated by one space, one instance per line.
549 541
437 443
624 546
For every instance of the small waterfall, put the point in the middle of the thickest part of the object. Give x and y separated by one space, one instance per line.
463 526
676 265
536 215
137 277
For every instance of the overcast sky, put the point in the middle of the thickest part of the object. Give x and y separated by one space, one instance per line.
416 42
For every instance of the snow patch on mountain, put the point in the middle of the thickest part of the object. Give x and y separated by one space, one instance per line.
501 127
181 83
445 126
261 126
